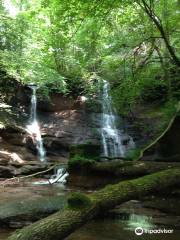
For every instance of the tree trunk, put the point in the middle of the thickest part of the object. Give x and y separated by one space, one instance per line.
62 223
148 9
123 170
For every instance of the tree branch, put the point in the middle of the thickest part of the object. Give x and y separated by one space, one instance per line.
158 24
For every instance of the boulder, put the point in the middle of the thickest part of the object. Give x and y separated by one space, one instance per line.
13 135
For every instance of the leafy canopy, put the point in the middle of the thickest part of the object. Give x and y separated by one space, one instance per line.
66 46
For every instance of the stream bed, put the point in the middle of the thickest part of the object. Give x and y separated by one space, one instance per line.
118 224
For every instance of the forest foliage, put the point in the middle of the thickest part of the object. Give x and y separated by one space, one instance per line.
68 46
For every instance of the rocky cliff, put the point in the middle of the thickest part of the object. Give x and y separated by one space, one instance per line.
70 125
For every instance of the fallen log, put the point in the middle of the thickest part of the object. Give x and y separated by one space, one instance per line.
82 208
96 175
123 169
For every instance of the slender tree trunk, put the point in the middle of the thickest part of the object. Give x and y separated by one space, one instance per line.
158 24
61 224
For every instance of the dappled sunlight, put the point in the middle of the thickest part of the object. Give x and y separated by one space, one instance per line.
14 157
11 8
4 105
90 112
135 221
5 152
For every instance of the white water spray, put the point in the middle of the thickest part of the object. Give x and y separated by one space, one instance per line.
33 128
111 137
59 177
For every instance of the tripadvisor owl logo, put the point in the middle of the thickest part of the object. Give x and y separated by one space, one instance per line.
139 231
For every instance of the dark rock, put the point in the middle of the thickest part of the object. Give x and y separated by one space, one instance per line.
58 102
85 150
14 135
20 213
6 172
165 204
168 147
55 146
30 169
30 144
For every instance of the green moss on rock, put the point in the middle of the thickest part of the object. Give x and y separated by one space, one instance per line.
79 163
90 151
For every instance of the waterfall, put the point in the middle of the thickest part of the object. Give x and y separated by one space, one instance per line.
59 176
33 128
112 138
33 104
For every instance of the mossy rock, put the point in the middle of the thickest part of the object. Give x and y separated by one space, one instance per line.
133 154
79 201
79 163
90 151
94 105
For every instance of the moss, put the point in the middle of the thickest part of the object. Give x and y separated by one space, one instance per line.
80 163
86 208
88 150
78 201
133 154
85 150
94 105
5 115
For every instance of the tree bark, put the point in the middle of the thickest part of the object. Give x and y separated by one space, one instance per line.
148 9
123 170
61 224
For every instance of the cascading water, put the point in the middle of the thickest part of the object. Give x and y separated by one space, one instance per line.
111 137
59 176
33 128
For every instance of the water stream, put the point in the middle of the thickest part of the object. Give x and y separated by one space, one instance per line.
112 138
60 175
33 128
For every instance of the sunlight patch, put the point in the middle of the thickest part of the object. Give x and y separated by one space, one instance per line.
12 10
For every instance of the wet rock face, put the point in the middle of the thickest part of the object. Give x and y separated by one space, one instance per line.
6 172
170 143
168 148
13 135
58 102
60 130
69 127
64 121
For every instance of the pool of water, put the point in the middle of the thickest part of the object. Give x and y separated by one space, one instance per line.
119 224
110 229
114 229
